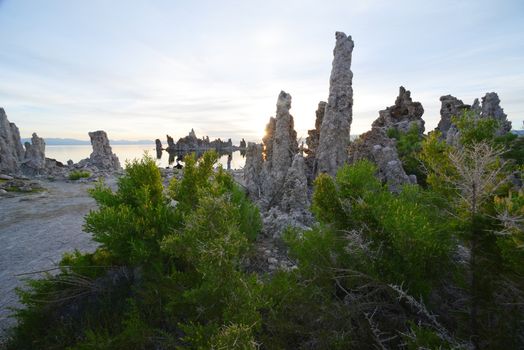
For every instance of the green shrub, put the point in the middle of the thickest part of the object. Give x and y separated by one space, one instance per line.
131 221
409 145
407 229
79 174
473 129
167 274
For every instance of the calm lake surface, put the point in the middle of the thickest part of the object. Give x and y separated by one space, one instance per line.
76 153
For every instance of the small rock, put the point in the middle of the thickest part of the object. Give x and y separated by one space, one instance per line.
2 191
5 177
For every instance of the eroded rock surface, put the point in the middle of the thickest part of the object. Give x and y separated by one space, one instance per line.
378 148
267 140
285 144
334 132
170 143
253 169
450 107
191 143
243 144
102 156
295 189
11 150
453 107
312 141
491 108
402 115
275 173
158 148
34 159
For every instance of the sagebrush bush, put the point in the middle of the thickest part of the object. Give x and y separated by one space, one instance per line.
79 174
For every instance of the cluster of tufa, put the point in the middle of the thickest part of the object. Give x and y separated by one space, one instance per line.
30 159
279 178
276 173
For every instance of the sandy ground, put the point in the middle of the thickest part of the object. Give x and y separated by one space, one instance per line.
35 230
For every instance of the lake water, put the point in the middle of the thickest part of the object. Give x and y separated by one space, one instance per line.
76 153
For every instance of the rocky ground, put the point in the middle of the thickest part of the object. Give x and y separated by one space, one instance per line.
36 228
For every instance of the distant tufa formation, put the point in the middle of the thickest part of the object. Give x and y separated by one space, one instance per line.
102 156
31 161
192 143
452 106
279 178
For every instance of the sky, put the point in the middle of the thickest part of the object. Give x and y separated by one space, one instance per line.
143 69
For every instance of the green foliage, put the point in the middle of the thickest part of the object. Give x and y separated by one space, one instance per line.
234 336
167 274
131 221
424 338
79 174
471 176
187 191
514 146
170 269
435 156
409 144
474 130
510 211
325 203
407 229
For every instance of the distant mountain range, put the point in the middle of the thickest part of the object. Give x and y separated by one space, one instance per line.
62 142
518 132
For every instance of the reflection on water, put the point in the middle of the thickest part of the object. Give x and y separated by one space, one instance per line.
76 153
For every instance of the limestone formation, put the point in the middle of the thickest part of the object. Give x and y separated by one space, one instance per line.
450 107
267 140
275 173
158 148
453 107
170 143
243 144
11 150
314 134
335 129
192 134
191 143
295 189
377 147
285 144
102 156
229 161
253 169
34 159
491 108
402 115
